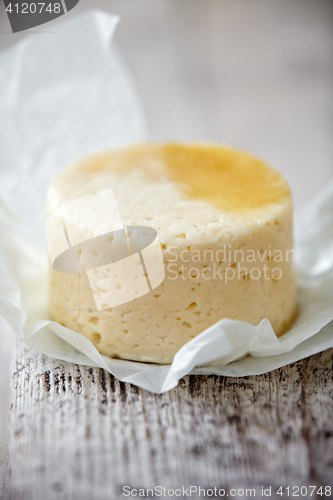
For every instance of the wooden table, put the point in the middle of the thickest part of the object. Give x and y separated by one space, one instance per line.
77 433
256 75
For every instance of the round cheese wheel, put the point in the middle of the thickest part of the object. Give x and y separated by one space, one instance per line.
223 221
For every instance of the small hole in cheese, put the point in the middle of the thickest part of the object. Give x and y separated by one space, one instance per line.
96 338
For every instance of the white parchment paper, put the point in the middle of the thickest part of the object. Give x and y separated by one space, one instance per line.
69 95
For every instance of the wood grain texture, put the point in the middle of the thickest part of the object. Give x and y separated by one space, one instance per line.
76 433
6 369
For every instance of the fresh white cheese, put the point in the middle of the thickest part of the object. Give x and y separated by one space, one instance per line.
224 220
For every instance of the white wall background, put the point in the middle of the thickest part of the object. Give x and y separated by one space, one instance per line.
257 75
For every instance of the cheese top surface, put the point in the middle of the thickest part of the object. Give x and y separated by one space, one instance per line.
167 186
230 180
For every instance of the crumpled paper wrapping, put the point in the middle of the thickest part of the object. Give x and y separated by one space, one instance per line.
69 95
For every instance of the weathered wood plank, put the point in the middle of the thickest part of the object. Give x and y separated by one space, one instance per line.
6 363
78 433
